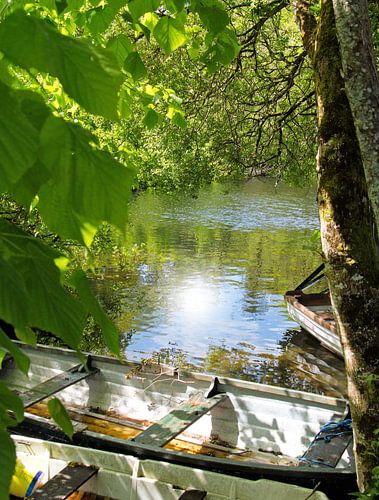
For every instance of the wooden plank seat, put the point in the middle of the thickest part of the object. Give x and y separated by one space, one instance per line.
62 485
56 384
329 444
175 422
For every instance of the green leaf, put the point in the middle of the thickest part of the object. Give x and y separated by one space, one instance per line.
18 140
138 8
109 330
61 5
175 5
48 306
87 186
150 20
179 120
9 401
33 107
125 104
7 462
25 190
5 75
194 50
151 119
2 356
60 416
214 18
26 335
12 293
170 34
22 360
90 75
135 66
75 4
101 17
121 46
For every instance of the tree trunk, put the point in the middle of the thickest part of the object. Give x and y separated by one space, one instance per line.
347 239
362 86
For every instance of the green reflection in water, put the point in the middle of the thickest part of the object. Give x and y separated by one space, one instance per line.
203 282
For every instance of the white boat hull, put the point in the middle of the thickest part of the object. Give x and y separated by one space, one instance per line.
123 477
328 339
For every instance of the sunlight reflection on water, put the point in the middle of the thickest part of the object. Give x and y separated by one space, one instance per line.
209 294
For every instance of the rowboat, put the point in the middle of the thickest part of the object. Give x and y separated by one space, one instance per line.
225 425
314 312
75 472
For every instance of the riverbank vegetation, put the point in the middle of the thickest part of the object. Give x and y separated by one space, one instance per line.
102 97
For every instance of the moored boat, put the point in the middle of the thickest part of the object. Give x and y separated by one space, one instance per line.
93 474
314 312
156 412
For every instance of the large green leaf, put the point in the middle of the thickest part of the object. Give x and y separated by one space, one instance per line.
101 17
109 330
214 17
88 74
87 186
21 359
36 112
33 107
121 46
60 416
13 293
25 190
9 401
48 306
26 335
175 5
18 140
134 66
151 119
7 462
170 34
138 8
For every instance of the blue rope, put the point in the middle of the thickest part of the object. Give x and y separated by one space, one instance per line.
345 428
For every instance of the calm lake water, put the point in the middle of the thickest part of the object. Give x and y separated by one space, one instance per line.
206 287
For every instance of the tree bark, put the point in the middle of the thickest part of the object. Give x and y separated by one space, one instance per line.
362 86
347 239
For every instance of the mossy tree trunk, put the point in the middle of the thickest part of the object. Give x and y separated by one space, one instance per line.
362 86
346 231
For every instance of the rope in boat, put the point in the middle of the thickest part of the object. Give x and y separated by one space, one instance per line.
345 428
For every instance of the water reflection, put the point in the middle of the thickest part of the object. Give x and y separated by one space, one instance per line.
207 289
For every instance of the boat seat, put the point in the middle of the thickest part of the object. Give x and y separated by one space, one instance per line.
175 422
56 384
329 444
62 485
193 495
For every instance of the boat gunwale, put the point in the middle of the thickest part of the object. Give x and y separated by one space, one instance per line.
205 377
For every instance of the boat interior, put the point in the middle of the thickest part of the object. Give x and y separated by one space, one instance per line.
183 412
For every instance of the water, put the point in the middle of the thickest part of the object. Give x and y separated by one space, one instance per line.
206 290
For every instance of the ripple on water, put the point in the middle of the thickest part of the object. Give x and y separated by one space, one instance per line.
208 291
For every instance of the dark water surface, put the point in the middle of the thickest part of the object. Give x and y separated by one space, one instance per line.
206 290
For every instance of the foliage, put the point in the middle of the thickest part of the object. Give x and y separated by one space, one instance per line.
64 69
60 416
